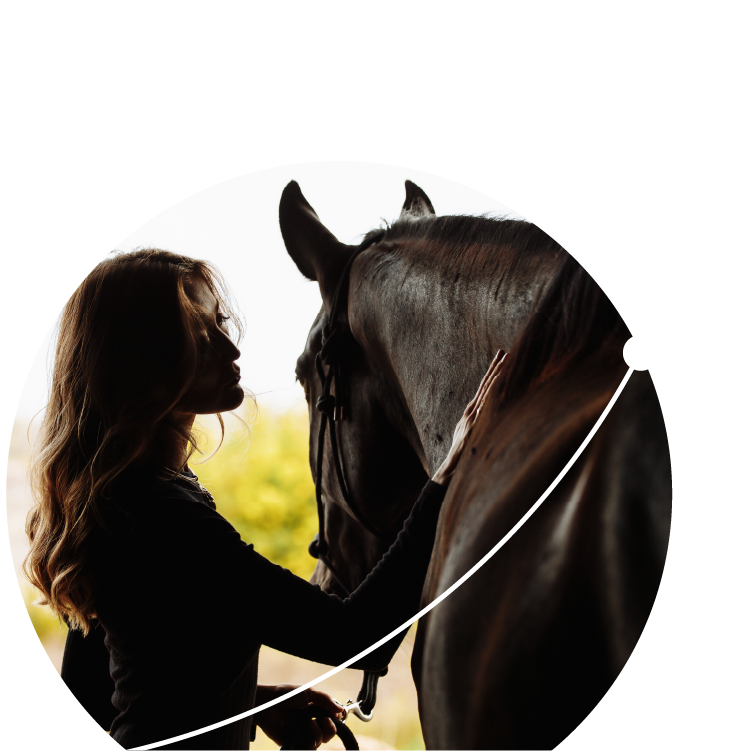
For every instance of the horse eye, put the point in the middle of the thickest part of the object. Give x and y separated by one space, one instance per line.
300 379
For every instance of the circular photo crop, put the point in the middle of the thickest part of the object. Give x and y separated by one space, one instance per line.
300 411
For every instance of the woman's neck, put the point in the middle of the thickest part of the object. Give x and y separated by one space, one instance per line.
174 455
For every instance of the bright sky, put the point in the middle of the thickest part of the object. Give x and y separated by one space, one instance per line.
235 225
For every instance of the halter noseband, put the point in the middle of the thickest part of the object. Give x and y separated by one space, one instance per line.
332 408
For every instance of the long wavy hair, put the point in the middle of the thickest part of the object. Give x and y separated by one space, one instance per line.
128 348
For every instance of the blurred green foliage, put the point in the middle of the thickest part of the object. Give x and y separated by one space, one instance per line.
48 627
262 484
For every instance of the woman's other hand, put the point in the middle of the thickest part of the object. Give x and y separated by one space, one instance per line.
282 722
467 421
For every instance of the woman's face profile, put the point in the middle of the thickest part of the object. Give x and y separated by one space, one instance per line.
216 386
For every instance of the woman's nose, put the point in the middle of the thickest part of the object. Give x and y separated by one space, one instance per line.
232 350
227 348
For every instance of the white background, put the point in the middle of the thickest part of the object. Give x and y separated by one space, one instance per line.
621 130
235 225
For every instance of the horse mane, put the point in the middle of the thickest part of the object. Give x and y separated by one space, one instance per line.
574 320
463 243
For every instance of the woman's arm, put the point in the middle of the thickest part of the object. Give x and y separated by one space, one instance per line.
280 610
303 620
299 618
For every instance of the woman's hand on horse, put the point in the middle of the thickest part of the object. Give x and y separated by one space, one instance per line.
467 421
282 722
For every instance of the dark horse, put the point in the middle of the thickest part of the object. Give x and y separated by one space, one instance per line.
523 651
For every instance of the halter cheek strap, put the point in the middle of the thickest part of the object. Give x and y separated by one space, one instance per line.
332 408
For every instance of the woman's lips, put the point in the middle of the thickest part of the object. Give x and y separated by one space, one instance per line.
235 379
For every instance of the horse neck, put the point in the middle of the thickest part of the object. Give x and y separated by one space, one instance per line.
434 330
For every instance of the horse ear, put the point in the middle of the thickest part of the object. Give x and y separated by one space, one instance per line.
315 250
417 204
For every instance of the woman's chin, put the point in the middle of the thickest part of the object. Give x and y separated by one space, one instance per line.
235 396
228 398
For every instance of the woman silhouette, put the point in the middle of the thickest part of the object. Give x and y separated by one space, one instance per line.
167 606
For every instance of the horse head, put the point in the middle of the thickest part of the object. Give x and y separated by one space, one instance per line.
380 450
426 306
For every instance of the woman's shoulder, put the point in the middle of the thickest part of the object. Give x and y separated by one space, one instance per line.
139 500
152 525
138 483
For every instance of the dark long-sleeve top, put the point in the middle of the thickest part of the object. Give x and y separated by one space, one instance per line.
184 605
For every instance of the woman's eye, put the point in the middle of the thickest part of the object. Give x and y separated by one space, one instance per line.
221 320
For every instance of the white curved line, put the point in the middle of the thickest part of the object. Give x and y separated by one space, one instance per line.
423 611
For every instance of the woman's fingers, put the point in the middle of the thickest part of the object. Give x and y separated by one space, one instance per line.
328 729
467 421
315 732
490 378
493 371
488 389
323 729
485 377
482 381
325 701
485 383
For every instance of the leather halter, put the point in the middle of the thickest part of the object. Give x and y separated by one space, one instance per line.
333 410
